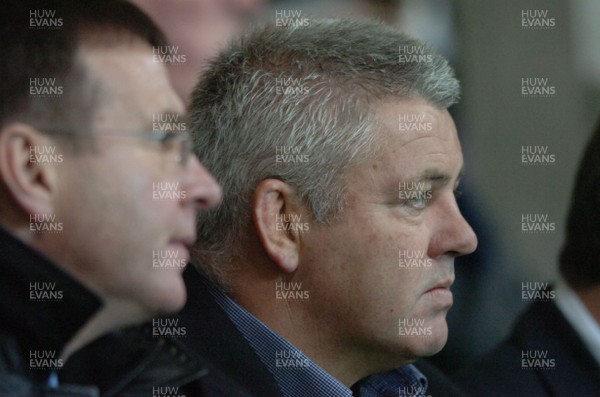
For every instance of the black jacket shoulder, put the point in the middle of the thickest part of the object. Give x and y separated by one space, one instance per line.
213 336
543 356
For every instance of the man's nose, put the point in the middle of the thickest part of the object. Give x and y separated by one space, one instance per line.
202 188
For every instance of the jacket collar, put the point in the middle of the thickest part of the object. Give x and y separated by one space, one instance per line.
41 306
133 362
212 335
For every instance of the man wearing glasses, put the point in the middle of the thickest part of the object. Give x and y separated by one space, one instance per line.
95 188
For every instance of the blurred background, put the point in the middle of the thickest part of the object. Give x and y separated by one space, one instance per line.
493 46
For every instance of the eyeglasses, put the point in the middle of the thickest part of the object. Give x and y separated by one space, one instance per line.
177 142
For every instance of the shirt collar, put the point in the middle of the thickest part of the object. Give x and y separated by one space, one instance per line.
573 309
298 376
407 381
41 306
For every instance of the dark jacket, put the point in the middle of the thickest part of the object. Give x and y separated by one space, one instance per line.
132 362
439 385
566 369
41 309
214 336
154 366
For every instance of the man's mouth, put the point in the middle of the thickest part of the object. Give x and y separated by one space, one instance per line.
441 291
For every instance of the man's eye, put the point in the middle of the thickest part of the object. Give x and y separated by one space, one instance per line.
416 200
417 203
168 140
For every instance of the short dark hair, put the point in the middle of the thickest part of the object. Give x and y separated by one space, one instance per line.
580 256
34 46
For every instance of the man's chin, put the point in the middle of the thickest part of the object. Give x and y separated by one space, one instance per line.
167 300
432 344
436 343
174 306
427 348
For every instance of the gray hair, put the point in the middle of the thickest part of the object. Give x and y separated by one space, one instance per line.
312 88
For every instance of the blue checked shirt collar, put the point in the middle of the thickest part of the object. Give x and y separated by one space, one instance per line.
402 382
305 378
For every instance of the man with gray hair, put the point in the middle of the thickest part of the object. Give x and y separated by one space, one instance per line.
326 271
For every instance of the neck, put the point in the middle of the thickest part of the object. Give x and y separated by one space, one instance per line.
308 331
115 314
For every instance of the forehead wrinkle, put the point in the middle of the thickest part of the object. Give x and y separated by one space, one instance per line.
410 141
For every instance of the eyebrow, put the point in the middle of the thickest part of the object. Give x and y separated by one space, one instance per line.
436 177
